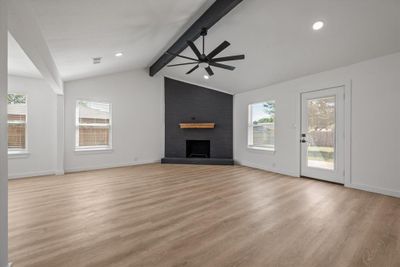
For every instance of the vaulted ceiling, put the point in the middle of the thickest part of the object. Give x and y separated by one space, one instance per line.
79 30
279 43
275 35
19 63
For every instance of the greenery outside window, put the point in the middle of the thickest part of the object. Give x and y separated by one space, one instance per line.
261 126
17 124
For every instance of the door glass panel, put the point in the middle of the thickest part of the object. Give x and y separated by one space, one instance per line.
321 133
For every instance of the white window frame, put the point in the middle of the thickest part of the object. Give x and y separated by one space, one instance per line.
92 148
250 126
17 152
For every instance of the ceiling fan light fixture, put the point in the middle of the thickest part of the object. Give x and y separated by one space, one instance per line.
203 65
206 77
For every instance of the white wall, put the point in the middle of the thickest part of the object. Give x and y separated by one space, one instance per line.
60 136
42 128
375 117
3 137
137 117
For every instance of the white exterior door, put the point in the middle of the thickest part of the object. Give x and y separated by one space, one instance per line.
322 134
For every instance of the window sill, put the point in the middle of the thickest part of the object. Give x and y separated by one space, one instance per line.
18 154
271 150
91 150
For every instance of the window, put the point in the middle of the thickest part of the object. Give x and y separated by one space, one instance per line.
93 125
17 121
261 130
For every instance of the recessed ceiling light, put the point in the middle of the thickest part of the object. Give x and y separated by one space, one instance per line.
318 25
119 54
206 77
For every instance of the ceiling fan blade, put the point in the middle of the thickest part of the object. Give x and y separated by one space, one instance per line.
209 71
220 59
185 57
182 64
195 50
193 69
222 66
218 50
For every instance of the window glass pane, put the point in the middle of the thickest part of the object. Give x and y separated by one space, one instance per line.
321 133
93 136
17 113
263 136
262 125
93 112
93 127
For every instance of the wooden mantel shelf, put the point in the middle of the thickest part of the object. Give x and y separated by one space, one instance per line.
197 125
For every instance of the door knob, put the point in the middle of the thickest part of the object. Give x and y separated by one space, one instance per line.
303 138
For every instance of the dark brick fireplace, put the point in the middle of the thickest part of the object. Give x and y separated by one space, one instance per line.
188 103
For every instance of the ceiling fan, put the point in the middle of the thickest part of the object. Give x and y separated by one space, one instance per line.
206 61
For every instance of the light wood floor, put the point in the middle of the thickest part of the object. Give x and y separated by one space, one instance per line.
170 215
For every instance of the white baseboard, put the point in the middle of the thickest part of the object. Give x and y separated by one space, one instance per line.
78 169
374 189
30 174
260 167
109 166
59 172
367 188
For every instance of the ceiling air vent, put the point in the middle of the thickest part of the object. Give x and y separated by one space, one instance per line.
97 60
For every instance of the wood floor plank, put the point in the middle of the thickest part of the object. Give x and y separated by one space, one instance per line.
186 215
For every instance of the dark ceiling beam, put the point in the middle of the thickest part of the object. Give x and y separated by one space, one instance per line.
212 15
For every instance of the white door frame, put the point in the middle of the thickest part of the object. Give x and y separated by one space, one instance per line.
347 123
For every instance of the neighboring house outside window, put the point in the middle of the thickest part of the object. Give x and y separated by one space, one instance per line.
17 123
261 126
93 125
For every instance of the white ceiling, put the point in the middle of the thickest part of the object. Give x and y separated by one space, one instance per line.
78 30
279 43
18 62
275 35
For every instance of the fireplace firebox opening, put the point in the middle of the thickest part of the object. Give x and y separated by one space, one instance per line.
198 148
